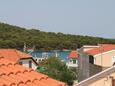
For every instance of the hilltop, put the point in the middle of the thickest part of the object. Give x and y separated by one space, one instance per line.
15 37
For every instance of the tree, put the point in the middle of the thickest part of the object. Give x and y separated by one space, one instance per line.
14 37
57 69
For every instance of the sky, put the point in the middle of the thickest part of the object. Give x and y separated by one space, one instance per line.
79 17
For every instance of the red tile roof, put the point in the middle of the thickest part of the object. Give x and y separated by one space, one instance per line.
12 74
101 49
13 54
73 54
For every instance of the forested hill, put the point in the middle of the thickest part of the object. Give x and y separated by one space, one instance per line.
15 37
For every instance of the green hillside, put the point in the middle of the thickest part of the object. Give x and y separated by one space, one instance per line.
15 37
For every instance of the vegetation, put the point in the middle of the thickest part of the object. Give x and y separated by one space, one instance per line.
56 69
15 37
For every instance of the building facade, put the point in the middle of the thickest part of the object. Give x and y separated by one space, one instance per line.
95 59
73 59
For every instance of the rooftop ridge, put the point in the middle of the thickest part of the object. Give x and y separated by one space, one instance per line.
101 49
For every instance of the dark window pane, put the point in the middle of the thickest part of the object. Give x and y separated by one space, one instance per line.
30 64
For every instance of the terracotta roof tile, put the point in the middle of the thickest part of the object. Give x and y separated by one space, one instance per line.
13 54
73 54
101 49
12 74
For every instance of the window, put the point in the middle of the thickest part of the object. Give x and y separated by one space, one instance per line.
39 60
70 60
30 64
74 61
91 59
20 63
113 82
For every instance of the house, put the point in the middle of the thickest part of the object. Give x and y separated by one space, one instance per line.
104 78
103 56
13 74
19 57
95 59
72 59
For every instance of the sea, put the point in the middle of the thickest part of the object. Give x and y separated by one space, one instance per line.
63 55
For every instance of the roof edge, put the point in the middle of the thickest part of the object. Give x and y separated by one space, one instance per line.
96 77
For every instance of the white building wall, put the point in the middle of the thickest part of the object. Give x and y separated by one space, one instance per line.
25 63
34 66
